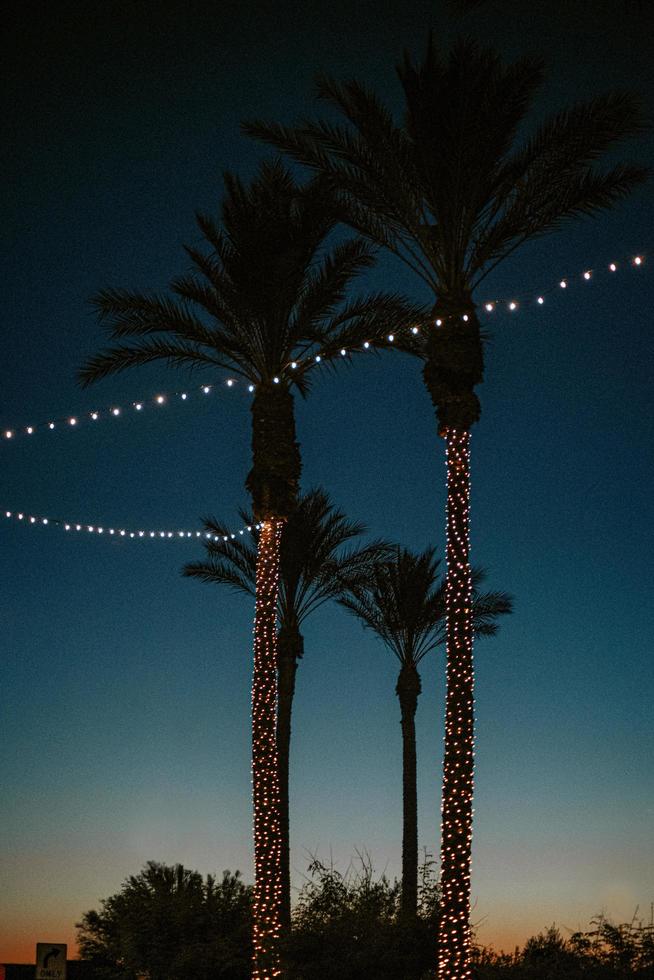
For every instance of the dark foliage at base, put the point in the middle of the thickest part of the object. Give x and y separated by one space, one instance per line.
168 923
604 952
349 927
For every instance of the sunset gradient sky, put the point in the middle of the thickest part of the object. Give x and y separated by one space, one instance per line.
125 688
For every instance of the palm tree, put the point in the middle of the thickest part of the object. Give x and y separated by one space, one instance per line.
267 303
315 565
450 194
403 602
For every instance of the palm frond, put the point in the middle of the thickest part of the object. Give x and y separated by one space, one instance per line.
116 359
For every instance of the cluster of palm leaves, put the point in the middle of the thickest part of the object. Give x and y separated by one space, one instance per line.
449 192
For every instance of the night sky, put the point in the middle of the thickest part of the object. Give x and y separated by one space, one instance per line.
125 688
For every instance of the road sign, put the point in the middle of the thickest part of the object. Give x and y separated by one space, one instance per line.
50 961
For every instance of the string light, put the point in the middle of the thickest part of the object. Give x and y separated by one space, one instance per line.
490 306
458 764
267 898
114 411
167 535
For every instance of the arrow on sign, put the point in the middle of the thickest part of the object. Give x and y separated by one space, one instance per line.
53 953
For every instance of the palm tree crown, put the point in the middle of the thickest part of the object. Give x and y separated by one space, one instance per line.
451 194
266 303
315 563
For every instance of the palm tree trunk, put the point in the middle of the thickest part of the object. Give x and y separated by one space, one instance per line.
454 925
265 781
408 689
273 482
290 649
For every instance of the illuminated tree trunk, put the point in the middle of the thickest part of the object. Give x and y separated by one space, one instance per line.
265 782
273 483
408 690
456 826
290 647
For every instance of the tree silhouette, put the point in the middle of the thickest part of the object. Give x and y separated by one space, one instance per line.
267 296
404 604
317 563
451 195
169 923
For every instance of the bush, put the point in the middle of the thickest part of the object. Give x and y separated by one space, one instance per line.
348 927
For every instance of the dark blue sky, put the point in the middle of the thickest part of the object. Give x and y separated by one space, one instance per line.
125 688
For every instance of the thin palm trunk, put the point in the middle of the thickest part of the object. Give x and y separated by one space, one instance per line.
290 648
265 782
454 927
408 689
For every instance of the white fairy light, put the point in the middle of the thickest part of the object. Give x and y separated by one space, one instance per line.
276 380
490 306
125 533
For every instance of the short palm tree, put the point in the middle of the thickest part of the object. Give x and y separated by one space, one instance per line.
451 193
403 602
267 302
316 564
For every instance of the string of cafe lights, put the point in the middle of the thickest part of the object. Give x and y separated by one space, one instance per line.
511 305
161 400
122 533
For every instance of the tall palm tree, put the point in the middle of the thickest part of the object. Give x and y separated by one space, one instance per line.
403 602
315 565
266 303
451 193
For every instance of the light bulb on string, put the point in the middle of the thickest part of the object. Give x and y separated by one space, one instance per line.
490 306
36 519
